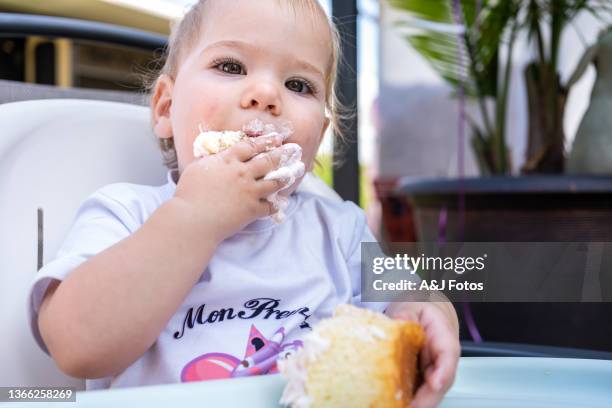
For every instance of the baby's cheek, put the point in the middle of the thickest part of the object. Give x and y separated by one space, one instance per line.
209 116
184 156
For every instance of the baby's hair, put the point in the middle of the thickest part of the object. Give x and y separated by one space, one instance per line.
185 33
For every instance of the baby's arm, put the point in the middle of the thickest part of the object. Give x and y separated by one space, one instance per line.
111 308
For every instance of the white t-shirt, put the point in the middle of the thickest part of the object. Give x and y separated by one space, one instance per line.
263 290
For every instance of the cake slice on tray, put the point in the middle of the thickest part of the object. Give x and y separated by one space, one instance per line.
357 358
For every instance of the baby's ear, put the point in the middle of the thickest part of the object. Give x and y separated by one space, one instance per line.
326 122
160 107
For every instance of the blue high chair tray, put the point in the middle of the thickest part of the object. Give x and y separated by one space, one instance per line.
481 382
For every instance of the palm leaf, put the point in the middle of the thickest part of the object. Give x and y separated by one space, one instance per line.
471 56
438 11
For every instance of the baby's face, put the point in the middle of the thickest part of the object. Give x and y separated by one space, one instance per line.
253 59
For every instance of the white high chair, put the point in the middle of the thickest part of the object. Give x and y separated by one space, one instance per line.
53 154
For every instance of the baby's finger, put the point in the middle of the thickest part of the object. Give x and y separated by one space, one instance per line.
268 187
285 155
265 208
249 147
426 397
263 163
445 368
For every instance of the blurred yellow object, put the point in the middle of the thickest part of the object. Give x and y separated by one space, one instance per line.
151 15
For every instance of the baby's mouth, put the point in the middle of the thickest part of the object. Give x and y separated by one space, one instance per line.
257 127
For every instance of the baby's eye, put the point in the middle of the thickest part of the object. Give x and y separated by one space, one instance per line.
230 67
299 86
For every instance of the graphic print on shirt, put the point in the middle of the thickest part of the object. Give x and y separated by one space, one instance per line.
260 357
261 308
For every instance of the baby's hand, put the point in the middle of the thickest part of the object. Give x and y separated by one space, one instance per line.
226 191
440 354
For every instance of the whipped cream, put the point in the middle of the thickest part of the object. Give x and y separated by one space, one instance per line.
290 169
294 368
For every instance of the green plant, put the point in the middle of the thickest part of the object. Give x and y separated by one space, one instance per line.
464 45
324 170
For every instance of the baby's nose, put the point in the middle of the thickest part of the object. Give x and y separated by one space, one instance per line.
262 96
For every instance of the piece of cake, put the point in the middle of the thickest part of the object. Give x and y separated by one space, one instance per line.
357 358
212 142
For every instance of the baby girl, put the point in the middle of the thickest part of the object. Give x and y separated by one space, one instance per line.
191 280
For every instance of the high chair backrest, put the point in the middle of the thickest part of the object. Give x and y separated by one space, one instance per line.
53 154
